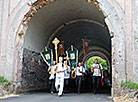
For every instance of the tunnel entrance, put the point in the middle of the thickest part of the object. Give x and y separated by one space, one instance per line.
70 21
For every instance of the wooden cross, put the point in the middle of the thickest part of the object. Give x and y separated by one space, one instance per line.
56 42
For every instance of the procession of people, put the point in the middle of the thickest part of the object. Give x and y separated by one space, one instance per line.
60 77
66 71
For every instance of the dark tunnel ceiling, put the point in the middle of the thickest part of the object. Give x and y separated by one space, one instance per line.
56 14
74 33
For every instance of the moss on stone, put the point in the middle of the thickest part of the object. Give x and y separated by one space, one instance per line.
130 85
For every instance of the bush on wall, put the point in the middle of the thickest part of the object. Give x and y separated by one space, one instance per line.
3 80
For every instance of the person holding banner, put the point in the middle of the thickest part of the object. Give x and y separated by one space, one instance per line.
79 71
60 70
97 71
51 71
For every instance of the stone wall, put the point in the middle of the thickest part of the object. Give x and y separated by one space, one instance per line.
135 46
5 89
34 72
127 95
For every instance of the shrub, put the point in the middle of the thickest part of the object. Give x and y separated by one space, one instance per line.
3 80
130 85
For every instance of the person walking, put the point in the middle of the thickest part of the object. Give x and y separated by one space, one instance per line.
60 70
97 71
51 71
79 72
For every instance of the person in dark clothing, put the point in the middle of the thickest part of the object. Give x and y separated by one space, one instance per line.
89 81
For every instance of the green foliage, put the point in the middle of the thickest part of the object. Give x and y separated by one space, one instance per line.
3 80
101 61
130 85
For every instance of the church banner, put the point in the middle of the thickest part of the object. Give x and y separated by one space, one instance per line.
47 56
61 48
73 57
85 46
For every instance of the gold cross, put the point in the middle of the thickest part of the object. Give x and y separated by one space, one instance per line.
56 42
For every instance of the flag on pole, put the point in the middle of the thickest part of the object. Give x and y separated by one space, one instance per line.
61 48
85 46
73 57
47 56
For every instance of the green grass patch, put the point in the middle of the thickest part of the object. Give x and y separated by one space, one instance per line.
4 80
130 85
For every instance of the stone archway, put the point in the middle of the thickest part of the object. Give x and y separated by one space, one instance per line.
17 30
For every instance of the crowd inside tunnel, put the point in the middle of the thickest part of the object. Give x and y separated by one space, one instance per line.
70 22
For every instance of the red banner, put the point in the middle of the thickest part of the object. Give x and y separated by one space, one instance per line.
61 48
85 46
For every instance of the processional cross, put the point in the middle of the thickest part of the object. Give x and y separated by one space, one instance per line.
56 42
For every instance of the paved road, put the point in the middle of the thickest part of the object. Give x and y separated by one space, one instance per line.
47 97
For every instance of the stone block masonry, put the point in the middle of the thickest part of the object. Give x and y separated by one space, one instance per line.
34 72
5 89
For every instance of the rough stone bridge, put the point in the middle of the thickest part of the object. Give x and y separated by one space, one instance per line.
27 26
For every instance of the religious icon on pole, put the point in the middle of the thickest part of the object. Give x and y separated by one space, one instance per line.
56 42
47 56
72 54
61 48
85 46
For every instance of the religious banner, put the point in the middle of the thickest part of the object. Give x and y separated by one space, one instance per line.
85 46
47 56
61 48
73 57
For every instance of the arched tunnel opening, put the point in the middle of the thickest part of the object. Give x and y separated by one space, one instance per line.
70 21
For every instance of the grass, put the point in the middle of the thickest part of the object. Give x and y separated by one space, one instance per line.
3 80
130 85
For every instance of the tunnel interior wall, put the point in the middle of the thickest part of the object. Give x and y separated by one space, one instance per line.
34 72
